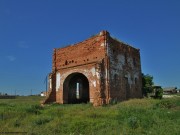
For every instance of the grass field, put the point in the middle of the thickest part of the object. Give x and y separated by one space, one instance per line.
134 117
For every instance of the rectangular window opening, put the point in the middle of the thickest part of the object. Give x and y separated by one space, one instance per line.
77 90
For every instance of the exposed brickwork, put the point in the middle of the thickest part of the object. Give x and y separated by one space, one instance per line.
112 69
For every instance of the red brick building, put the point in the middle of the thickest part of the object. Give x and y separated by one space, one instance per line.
99 70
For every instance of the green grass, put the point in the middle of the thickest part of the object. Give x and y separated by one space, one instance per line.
133 117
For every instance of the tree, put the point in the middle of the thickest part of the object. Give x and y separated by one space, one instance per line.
148 88
159 93
147 84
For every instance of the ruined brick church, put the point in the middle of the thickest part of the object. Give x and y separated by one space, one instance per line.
99 70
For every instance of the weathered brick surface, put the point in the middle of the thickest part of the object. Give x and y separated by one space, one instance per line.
112 69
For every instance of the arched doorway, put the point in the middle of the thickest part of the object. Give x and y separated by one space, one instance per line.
76 88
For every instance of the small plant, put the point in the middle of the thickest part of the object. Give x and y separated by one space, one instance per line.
35 109
94 115
165 104
42 120
17 123
3 104
133 122
113 101
2 116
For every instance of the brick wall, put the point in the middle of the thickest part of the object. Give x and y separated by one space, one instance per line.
90 50
125 70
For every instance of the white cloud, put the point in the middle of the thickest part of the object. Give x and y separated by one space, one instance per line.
22 44
11 58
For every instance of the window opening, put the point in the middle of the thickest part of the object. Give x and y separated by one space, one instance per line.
134 61
77 90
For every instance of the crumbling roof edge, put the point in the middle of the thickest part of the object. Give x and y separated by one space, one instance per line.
124 43
102 33
78 43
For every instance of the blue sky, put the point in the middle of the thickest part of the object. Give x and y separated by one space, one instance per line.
30 29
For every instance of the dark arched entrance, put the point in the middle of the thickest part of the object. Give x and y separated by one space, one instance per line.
76 88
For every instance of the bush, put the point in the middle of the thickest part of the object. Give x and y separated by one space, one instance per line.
159 93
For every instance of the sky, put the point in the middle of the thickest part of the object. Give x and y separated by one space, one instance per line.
30 29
